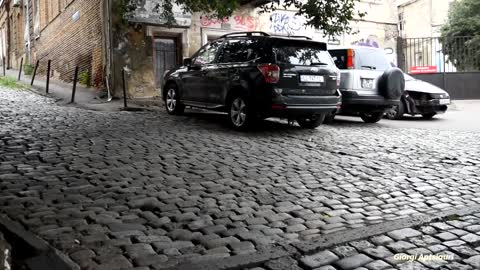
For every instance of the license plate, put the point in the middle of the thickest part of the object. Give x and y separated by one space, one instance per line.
367 83
312 78
444 101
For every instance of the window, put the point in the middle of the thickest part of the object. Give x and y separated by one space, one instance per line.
36 18
242 50
207 54
371 59
419 59
340 58
302 54
401 22
13 33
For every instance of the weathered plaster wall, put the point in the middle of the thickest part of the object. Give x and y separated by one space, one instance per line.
423 18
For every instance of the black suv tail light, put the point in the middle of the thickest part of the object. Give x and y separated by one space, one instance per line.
271 72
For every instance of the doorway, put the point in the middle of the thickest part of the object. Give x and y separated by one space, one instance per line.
166 55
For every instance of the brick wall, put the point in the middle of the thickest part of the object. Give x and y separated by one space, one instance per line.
69 43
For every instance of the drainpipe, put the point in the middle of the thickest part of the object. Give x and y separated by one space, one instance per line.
7 7
27 30
431 18
110 54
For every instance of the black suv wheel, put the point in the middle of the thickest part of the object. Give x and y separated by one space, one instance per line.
239 113
172 104
312 121
371 117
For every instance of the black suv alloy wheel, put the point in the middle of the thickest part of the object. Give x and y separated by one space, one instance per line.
171 101
239 113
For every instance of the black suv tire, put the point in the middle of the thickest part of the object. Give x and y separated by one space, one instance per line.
312 121
240 113
172 103
373 117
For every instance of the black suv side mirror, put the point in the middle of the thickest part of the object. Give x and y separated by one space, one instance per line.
187 62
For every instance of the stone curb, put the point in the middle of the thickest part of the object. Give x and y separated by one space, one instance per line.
298 249
342 237
43 256
235 262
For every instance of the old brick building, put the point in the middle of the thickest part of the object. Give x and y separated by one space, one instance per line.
12 29
68 32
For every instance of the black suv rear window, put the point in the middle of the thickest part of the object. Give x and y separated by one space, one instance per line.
339 57
243 50
302 54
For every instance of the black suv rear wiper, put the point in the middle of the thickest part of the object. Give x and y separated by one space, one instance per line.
370 67
318 64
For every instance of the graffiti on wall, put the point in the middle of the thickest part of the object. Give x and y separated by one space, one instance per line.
286 23
373 41
370 41
238 22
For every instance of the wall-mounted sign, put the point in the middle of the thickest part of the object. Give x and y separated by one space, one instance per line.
423 69
76 16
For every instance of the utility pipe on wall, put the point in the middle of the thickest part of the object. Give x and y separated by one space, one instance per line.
27 30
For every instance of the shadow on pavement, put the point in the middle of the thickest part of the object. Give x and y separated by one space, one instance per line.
221 120
420 119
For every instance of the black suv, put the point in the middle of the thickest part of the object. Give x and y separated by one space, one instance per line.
253 75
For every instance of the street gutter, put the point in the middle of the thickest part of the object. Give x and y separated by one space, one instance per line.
31 251
302 248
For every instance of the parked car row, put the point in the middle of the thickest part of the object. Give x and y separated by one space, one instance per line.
254 75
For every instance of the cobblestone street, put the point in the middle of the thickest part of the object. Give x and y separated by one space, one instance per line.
146 190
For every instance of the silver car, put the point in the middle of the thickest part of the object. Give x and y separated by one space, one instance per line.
369 84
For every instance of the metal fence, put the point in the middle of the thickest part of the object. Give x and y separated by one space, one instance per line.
435 54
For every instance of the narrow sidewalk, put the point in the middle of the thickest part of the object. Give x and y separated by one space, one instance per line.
87 98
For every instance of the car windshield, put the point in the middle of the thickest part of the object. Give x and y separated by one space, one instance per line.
302 54
408 77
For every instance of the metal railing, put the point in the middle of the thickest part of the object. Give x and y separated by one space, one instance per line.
436 54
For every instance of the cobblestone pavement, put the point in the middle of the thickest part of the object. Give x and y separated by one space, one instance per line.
120 190
448 245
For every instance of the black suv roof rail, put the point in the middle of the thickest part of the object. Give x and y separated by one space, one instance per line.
248 34
305 37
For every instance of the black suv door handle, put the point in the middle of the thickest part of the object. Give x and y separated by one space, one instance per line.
204 71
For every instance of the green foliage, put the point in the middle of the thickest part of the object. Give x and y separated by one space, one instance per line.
11 83
84 78
461 35
121 10
28 69
333 17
